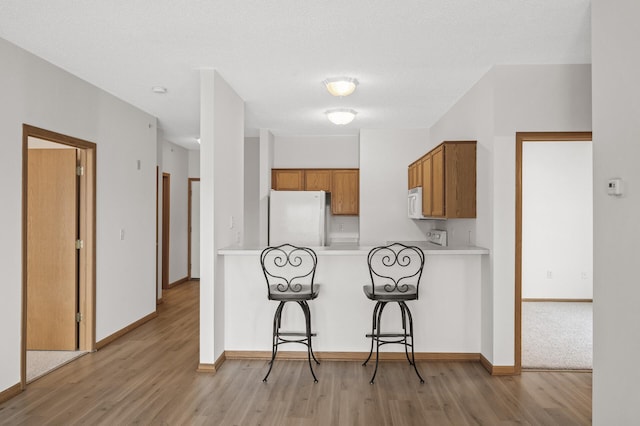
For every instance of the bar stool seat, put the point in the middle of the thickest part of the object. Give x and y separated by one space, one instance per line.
381 295
395 272
290 296
289 272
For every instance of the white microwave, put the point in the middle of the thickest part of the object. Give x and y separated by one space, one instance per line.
414 203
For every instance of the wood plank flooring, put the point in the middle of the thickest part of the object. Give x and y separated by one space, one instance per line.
149 377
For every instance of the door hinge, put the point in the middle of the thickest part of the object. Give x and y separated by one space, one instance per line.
79 244
78 317
80 170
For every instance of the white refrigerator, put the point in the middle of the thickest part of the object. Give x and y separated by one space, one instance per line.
298 218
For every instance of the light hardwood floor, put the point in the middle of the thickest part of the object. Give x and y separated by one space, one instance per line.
149 377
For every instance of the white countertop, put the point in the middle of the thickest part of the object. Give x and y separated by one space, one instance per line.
344 249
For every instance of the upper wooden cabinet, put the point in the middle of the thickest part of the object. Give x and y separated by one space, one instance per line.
449 180
415 174
287 179
427 185
345 192
343 184
317 180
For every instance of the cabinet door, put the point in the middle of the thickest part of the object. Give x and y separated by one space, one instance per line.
460 179
345 192
437 182
287 179
426 185
415 174
317 180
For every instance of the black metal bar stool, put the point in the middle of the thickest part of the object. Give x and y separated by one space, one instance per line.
395 272
290 272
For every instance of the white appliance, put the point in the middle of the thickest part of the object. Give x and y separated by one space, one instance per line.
297 217
438 237
414 203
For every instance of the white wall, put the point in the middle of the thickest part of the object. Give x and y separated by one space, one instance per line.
222 199
267 147
385 156
175 161
508 99
194 163
252 191
472 118
308 152
37 93
616 150
557 220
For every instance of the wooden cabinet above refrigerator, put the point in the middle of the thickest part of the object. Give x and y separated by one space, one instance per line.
343 184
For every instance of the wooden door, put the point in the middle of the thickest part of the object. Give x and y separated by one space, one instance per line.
317 180
52 229
427 187
166 228
345 192
438 182
287 179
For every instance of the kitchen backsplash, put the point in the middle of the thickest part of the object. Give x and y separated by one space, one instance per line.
460 232
344 229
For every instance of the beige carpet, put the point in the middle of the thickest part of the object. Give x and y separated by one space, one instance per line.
557 335
40 363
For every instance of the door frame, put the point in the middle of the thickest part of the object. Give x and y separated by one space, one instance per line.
189 228
522 137
87 228
166 227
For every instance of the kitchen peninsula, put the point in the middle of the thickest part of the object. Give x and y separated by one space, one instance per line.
447 316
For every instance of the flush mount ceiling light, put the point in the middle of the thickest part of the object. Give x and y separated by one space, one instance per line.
159 89
341 86
341 116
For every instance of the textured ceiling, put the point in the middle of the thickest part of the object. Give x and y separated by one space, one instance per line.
413 58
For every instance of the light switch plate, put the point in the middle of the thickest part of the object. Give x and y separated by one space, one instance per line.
614 186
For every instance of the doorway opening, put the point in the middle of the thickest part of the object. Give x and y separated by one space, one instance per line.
58 250
524 216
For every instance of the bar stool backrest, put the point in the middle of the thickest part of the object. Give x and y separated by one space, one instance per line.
395 268
289 269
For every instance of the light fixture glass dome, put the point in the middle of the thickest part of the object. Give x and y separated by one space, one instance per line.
341 116
341 86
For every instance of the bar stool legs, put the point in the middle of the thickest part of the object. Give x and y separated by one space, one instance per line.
405 338
280 337
406 313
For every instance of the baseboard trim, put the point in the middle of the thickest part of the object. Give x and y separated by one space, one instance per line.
180 281
353 356
498 370
558 300
104 342
206 368
212 368
553 370
221 359
159 301
9 393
